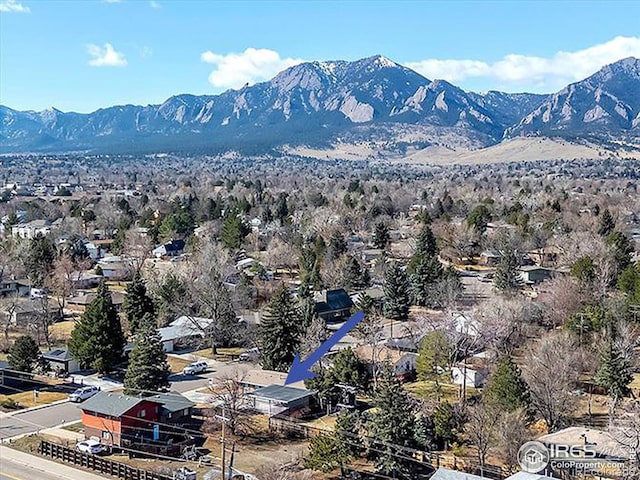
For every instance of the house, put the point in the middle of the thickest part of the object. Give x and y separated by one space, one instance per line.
31 229
277 399
80 302
476 375
256 378
490 258
175 407
465 324
169 249
121 420
115 268
403 364
60 360
14 288
600 441
85 280
95 250
333 305
113 417
22 312
183 331
532 275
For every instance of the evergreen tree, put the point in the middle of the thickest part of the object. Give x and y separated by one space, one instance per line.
506 388
148 370
356 276
614 373
445 425
629 283
233 231
507 277
346 431
97 340
39 259
280 330
479 218
433 357
337 246
170 291
622 249
392 424
137 303
424 273
607 223
584 269
424 268
423 432
325 453
366 304
396 293
381 236
24 354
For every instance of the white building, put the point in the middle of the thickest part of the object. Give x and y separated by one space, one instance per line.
31 229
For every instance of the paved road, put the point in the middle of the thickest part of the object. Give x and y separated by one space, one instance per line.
16 465
47 417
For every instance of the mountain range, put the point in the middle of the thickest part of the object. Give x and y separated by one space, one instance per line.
373 103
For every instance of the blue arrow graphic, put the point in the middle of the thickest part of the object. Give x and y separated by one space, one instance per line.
300 370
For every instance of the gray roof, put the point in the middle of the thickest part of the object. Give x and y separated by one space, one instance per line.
111 404
281 393
528 476
446 474
172 401
58 355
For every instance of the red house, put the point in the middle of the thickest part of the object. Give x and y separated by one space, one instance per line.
116 419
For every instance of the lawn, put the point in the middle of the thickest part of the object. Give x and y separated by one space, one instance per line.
62 330
448 391
26 400
222 353
176 364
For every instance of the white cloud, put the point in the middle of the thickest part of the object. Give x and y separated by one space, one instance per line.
105 56
154 4
542 72
13 6
234 70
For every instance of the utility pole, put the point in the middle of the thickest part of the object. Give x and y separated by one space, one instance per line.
222 443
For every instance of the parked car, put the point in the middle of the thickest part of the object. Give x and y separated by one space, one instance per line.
195 367
83 393
90 446
251 354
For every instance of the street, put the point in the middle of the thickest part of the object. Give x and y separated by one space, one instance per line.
47 417
15 465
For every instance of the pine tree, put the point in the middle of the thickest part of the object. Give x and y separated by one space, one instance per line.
39 259
607 223
280 330
433 357
381 236
148 370
507 277
396 293
424 273
137 303
337 246
356 276
97 340
506 388
614 373
445 425
346 431
426 243
24 354
423 432
233 231
392 425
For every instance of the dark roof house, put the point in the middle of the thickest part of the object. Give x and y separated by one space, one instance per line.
333 305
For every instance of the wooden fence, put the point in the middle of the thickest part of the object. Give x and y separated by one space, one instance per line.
97 463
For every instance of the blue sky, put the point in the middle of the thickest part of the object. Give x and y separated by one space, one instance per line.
84 54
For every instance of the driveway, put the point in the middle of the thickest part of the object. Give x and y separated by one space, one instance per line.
32 421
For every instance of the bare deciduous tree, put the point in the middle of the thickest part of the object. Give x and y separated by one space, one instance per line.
551 368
